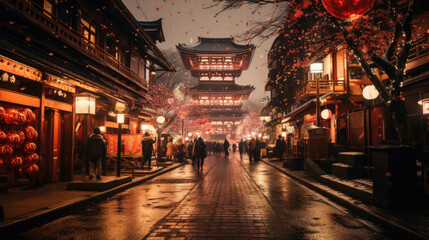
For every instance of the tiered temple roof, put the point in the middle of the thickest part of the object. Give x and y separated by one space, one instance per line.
217 62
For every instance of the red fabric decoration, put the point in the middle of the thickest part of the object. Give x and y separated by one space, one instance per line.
16 162
6 150
30 147
347 9
2 113
2 136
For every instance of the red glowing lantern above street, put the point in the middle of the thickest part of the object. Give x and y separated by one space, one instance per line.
347 9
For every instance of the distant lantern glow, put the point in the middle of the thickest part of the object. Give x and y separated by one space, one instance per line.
370 92
326 114
120 118
316 67
160 119
189 134
425 105
102 129
85 104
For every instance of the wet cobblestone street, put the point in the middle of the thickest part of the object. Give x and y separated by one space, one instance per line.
229 199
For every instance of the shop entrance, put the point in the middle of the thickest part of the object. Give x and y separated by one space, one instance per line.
59 145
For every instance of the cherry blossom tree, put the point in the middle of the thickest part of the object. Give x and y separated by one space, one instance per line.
380 39
251 124
162 100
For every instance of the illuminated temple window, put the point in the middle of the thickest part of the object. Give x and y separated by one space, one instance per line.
204 79
229 78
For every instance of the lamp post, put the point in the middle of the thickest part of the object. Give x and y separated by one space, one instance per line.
369 93
160 120
120 119
317 67
85 105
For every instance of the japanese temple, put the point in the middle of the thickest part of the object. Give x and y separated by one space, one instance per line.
217 62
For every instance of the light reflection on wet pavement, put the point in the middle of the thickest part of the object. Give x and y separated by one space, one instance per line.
230 199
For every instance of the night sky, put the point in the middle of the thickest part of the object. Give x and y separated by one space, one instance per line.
185 20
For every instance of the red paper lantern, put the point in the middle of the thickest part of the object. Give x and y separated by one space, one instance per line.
31 117
21 136
30 147
32 170
13 138
11 116
2 113
2 136
22 118
31 133
347 9
6 150
16 162
32 158
2 163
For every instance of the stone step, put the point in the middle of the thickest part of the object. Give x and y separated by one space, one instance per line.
355 159
346 171
354 188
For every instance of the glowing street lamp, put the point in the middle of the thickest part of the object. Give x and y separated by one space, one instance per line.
120 120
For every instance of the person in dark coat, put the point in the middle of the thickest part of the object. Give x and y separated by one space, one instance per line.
218 149
251 149
280 147
200 152
96 151
241 148
225 147
234 147
258 147
103 162
180 150
194 157
147 149
190 147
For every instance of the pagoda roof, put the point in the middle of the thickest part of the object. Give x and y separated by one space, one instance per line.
222 88
217 45
153 29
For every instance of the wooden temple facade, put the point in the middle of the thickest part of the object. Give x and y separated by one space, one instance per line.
217 62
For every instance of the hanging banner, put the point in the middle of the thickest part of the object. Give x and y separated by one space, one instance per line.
130 142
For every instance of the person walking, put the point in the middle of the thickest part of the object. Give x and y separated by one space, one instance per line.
180 150
234 147
190 147
95 152
218 149
280 147
200 152
171 149
251 149
258 147
241 148
103 162
225 147
147 149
